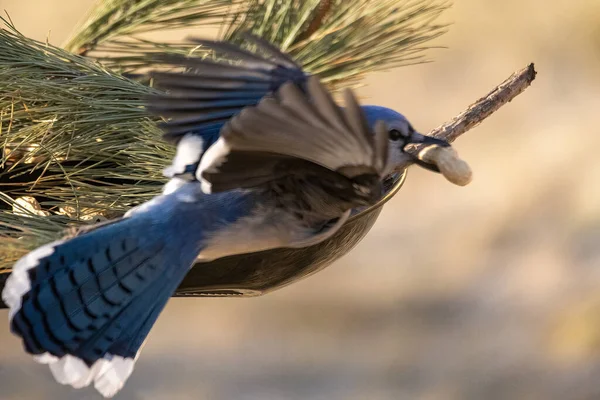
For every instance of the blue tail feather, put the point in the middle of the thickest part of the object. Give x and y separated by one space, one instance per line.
93 300
71 297
126 332
85 305
132 338
85 293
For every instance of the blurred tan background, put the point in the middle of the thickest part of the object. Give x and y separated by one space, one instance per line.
486 292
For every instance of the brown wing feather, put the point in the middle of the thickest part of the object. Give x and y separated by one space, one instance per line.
238 78
298 134
295 125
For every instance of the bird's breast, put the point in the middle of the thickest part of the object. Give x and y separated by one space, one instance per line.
263 229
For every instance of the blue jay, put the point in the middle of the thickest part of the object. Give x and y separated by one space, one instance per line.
265 159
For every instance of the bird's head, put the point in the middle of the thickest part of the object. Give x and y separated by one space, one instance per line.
401 134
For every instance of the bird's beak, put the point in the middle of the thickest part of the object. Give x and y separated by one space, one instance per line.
417 138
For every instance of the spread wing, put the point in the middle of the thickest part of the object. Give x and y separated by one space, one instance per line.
210 91
299 134
266 122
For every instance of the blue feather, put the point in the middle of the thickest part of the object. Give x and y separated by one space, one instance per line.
96 296
375 113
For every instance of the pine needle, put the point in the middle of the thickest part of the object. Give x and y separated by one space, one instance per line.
341 42
74 134
111 20
352 38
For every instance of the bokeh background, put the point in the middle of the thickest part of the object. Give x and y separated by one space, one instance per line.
491 291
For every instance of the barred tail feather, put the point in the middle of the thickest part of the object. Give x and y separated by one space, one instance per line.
84 306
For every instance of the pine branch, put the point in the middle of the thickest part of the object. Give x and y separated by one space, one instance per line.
342 40
74 135
113 20
482 108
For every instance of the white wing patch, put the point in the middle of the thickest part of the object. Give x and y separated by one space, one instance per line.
213 157
18 282
174 184
145 207
189 151
109 374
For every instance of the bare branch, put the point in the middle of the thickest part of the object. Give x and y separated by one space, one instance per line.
482 108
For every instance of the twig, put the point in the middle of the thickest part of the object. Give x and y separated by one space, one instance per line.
482 108
320 14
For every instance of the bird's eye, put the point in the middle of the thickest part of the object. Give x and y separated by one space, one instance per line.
395 135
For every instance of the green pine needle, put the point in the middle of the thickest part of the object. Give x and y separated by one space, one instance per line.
81 135
353 38
111 20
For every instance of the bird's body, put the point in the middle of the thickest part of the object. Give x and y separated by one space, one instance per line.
265 159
